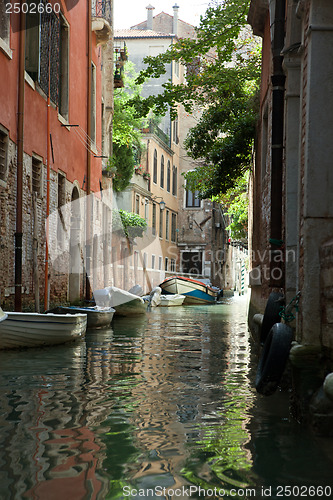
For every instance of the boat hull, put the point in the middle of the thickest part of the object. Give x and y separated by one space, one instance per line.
195 292
132 308
96 317
35 330
171 300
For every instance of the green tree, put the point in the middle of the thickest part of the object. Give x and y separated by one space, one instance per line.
126 137
223 71
236 204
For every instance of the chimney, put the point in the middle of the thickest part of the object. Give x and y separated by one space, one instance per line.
150 9
175 19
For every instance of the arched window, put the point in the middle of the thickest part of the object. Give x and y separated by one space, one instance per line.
162 172
168 177
174 181
155 167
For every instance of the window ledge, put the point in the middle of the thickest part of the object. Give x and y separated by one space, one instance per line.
93 149
4 47
63 121
29 80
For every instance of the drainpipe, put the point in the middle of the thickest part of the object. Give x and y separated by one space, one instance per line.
19 182
88 228
278 84
48 156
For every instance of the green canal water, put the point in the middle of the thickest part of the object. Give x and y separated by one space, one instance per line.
159 406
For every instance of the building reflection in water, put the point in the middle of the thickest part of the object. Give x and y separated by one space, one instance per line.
159 401
52 402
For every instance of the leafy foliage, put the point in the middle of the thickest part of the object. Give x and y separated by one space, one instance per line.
130 223
223 75
127 144
236 201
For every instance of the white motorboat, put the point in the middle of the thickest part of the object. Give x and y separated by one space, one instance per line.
19 329
171 300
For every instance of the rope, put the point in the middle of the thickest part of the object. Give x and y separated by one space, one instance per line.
286 312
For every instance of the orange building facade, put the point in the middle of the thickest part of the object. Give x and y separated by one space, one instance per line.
51 146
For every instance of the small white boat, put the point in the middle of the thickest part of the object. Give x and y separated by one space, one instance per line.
171 300
3 315
97 317
20 329
124 303
195 291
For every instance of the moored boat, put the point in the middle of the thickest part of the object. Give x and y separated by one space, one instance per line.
21 329
124 303
195 291
171 300
97 317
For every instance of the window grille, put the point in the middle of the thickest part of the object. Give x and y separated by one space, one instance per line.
49 49
37 167
3 155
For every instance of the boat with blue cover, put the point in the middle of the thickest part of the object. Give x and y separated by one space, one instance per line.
195 291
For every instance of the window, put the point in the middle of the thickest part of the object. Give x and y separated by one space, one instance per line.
4 23
36 180
167 224
172 265
177 65
3 154
153 261
174 181
192 199
146 209
175 131
162 172
160 260
154 219
93 103
155 167
137 204
43 31
32 45
166 263
173 227
63 67
161 223
168 177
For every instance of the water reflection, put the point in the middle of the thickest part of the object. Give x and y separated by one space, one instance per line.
165 400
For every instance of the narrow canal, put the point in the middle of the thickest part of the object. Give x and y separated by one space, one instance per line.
160 406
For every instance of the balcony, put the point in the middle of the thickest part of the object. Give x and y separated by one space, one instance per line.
120 57
153 128
101 20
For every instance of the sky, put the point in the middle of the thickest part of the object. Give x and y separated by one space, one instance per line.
130 12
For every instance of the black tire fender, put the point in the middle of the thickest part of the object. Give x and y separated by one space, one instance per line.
273 308
273 358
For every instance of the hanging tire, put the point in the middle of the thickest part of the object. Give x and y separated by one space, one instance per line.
273 358
273 308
